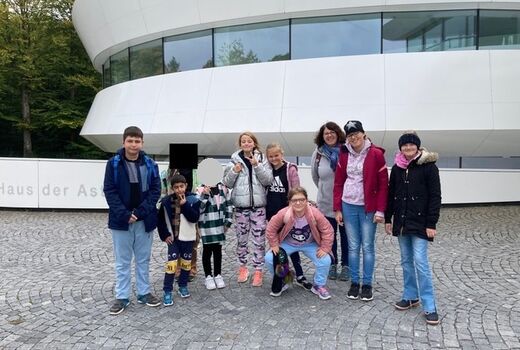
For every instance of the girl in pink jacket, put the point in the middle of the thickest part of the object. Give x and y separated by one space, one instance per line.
301 228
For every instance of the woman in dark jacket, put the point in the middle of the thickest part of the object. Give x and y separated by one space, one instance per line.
414 201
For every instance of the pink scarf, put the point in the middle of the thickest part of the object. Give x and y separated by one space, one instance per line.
401 161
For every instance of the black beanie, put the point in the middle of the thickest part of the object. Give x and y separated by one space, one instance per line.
353 126
409 138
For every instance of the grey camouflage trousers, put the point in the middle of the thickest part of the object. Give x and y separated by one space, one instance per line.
251 221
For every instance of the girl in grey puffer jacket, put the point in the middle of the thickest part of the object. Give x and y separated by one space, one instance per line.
247 175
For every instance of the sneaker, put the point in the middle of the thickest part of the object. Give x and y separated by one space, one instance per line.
284 288
322 292
148 299
210 283
333 273
167 299
302 282
257 278
366 293
353 292
432 318
344 274
219 282
184 292
243 274
406 304
119 306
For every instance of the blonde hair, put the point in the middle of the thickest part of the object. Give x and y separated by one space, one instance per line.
275 146
252 136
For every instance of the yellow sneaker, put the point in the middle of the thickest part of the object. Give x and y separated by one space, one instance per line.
243 274
257 278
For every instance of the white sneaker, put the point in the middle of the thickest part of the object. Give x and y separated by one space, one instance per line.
210 283
219 282
284 288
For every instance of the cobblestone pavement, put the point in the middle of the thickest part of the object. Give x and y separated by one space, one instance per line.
57 278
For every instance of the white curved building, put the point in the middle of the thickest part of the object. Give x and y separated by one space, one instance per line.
204 70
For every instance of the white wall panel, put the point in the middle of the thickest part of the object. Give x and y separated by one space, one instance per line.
505 73
438 94
78 184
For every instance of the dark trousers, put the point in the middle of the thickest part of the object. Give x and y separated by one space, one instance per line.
207 251
180 252
297 264
343 241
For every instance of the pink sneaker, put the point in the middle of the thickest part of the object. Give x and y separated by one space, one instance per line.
257 278
243 274
322 292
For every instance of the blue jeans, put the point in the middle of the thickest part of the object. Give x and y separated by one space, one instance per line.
134 242
322 264
417 277
361 233
342 240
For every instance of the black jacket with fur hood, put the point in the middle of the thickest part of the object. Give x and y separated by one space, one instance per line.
414 196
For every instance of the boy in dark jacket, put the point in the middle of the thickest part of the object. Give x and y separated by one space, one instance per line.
132 187
177 225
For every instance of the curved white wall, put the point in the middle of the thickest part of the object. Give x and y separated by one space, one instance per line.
463 103
108 26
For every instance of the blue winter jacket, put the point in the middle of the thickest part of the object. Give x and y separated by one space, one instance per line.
117 192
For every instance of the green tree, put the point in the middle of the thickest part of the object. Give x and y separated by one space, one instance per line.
234 53
46 79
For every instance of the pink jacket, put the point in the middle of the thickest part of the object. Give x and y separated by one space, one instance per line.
321 229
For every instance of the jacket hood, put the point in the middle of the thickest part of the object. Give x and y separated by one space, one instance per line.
236 157
427 157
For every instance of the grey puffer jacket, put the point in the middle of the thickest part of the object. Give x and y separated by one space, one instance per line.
245 194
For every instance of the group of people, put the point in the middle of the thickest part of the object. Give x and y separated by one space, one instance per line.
260 192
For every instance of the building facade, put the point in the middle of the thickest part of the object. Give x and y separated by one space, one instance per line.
202 71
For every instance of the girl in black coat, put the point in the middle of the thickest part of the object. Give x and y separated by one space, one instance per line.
414 201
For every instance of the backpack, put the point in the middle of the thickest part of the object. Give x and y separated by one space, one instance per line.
149 166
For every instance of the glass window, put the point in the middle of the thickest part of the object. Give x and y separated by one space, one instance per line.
336 36
188 51
146 59
106 73
119 70
429 31
251 43
499 29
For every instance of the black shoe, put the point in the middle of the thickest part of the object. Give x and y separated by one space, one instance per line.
432 318
302 282
406 304
353 292
119 306
148 299
366 293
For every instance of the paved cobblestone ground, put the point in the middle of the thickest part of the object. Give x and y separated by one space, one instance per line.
57 279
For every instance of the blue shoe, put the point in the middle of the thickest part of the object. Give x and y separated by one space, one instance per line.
184 292
168 299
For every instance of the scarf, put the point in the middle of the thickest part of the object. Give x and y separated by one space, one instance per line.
402 162
176 219
332 153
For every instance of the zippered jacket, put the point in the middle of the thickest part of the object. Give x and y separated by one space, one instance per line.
190 212
245 193
414 196
279 226
116 187
375 179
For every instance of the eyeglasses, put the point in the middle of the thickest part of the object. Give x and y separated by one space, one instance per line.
354 135
298 200
329 133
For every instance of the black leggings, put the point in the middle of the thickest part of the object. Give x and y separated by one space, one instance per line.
207 251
